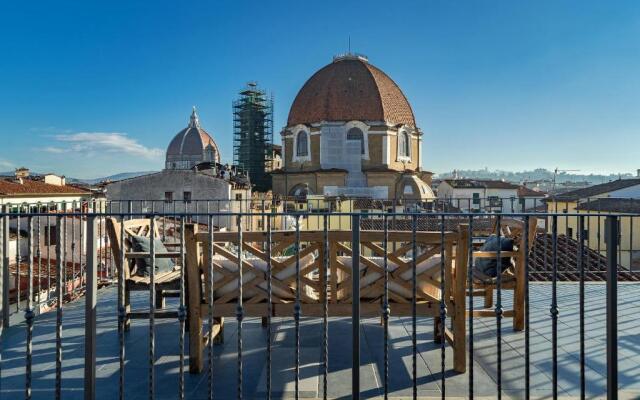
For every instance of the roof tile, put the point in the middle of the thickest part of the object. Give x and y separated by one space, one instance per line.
479 184
350 89
9 187
596 190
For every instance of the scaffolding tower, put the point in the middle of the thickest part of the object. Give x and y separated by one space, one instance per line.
253 135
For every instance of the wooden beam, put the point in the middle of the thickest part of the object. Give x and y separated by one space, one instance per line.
338 236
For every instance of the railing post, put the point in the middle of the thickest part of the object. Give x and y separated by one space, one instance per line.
355 306
90 310
612 306
4 269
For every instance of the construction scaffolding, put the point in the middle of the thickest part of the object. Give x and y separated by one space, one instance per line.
253 135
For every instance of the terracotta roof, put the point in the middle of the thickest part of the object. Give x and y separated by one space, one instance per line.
479 184
610 204
597 189
9 187
350 89
380 168
191 141
524 191
424 222
567 265
371 204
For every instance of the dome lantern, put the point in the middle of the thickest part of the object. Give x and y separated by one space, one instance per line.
194 121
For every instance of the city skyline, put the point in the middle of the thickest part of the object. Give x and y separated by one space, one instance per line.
94 90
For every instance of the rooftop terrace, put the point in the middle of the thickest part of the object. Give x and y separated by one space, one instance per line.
411 264
339 378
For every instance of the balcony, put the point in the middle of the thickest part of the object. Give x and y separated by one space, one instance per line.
332 338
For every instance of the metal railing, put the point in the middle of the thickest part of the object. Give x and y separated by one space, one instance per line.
68 255
314 204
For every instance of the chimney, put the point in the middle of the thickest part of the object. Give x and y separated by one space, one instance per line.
21 174
638 173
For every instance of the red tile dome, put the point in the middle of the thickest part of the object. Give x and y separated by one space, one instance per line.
350 89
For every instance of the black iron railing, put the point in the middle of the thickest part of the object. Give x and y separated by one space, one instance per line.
84 259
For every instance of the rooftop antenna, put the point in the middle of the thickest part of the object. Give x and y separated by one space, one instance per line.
349 44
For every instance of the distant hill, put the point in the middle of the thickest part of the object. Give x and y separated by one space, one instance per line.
93 181
536 175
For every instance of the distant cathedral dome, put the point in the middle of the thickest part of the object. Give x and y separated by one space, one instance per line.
191 146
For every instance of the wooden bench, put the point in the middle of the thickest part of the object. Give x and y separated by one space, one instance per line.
224 268
166 284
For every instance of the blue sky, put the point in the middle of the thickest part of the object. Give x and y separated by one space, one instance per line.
501 84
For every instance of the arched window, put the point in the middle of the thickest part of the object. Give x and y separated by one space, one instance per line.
404 143
356 134
300 190
302 144
407 189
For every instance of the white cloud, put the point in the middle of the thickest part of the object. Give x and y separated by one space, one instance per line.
100 142
6 164
55 150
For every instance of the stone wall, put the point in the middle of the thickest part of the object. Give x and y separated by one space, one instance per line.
153 187
381 145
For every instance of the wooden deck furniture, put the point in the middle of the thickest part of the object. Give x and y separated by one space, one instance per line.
224 288
167 284
512 279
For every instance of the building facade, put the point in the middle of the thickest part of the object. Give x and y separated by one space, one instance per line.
594 224
351 132
569 201
618 197
46 193
478 194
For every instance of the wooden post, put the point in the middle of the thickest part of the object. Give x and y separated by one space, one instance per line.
488 297
192 270
459 306
521 283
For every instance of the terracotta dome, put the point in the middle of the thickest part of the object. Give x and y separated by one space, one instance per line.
191 146
350 89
